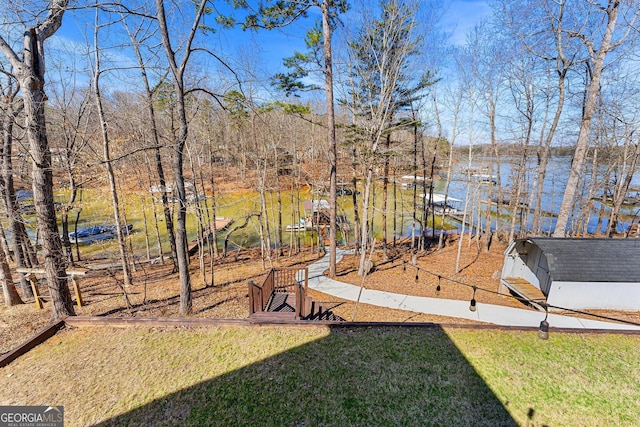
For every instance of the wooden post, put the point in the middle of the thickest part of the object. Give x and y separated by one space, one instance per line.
72 272
34 288
76 288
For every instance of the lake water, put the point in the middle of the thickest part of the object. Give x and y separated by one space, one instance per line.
553 190
97 208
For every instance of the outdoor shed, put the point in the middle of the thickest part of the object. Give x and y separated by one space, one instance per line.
575 273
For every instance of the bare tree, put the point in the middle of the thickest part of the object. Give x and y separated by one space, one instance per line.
106 150
23 251
522 90
453 100
137 37
29 69
71 120
622 127
553 44
486 54
281 14
178 68
597 50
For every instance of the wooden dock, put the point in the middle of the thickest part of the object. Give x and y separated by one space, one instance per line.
459 218
220 224
506 202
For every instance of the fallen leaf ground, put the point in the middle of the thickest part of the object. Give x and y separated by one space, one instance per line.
155 290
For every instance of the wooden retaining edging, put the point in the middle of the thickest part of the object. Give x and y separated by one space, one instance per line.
40 337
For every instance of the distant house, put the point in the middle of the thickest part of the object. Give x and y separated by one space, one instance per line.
58 155
576 273
313 206
171 191
317 214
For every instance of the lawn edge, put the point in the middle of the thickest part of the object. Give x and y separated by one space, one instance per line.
126 322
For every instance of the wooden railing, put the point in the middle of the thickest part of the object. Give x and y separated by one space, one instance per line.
259 294
286 280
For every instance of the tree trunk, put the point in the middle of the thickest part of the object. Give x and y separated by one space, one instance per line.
395 203
331 135
156 227
494 152
543 157
155 139
364 234
54 261
598 58
126 273
615 211
425 210
279 209
212 182
415 187
356 215
385 194
21 242
11 296
186 303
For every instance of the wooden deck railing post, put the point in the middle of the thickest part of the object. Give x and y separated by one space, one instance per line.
252 304
267 289
299 301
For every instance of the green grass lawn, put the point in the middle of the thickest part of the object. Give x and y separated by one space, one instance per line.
277 376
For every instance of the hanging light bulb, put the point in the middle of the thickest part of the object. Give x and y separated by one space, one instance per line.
417 274
472 304
543 333
438 288
404 265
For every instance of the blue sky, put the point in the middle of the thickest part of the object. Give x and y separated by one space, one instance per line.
462 15
262 51
458 18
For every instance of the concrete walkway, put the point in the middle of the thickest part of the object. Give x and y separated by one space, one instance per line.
496 314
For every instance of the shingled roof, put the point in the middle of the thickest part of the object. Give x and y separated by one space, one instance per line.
591 260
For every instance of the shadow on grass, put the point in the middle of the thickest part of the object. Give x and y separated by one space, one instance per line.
382 376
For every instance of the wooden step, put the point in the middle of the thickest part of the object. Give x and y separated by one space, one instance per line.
273 316
281 301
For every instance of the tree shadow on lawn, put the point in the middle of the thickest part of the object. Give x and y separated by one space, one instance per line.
374 376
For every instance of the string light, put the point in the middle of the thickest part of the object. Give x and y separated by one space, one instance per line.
544 325
417 274
404 265
543 333
472 305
